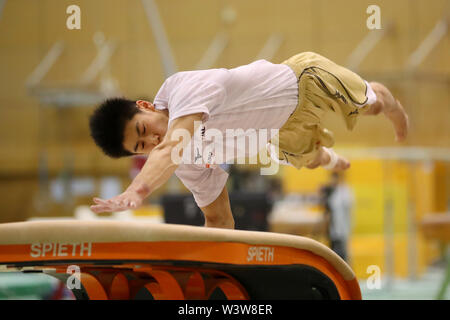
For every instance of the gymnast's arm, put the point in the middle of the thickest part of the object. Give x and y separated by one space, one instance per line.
159 166
156 171
218 213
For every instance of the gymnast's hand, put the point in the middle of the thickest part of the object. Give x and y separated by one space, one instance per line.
127 200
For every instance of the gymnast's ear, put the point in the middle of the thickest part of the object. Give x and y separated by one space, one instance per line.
144 105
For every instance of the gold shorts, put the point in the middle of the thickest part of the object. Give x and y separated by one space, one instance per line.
323 86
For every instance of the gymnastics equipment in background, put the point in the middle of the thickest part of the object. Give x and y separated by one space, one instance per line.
437 227
394 188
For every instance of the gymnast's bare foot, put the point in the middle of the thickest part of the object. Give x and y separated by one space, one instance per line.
392 109
342 164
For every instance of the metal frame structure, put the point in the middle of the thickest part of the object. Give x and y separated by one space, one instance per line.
427 45
214 50
79 93
366 45
162 41
270 48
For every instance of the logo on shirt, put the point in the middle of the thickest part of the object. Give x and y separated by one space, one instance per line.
240 144
209 162
203 132
197 156
210 157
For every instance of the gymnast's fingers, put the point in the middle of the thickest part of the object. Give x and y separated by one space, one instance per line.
96 209
101 208
99 201
116 206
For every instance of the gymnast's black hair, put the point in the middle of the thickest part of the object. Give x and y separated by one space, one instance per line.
107 125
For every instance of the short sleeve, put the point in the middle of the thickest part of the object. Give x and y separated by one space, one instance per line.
161 100
206 184
195 97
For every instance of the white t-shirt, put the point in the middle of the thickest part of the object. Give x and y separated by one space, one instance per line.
261 95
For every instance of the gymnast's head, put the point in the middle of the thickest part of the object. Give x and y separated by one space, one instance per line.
122 127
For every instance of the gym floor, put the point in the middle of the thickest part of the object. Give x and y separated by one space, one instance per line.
425 288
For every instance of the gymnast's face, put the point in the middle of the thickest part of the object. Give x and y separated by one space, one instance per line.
146 129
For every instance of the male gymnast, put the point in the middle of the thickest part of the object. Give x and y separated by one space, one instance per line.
290 97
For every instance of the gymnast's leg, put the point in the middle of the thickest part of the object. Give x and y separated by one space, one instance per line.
386 104
391 108
218 213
